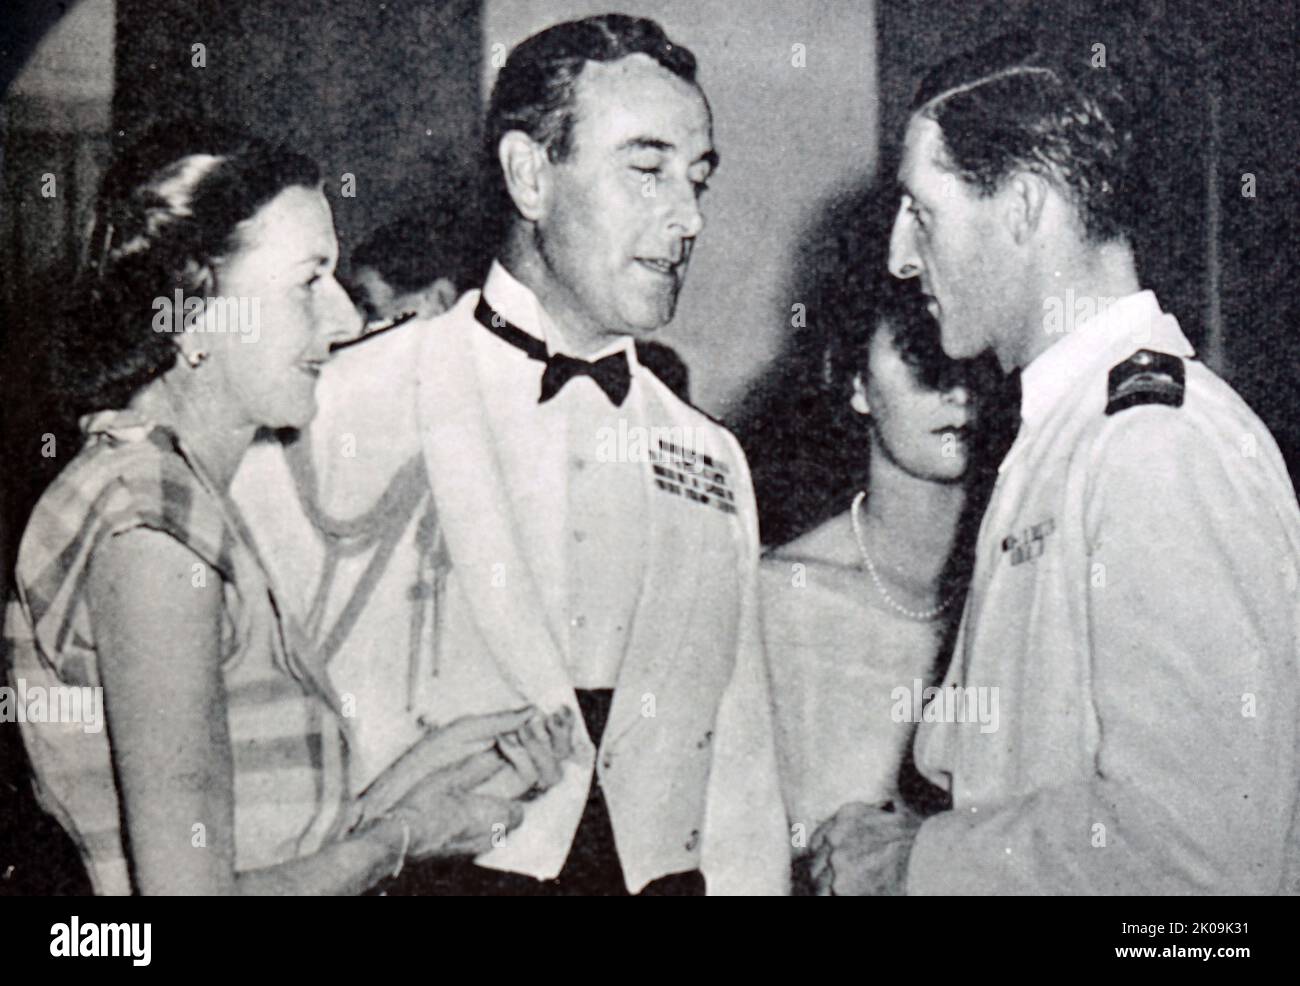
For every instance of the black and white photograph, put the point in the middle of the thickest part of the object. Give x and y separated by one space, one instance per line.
651 448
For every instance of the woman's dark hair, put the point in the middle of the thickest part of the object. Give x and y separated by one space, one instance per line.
169 210
898 308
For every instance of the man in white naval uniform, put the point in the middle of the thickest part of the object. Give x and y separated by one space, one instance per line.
1134 605
502 506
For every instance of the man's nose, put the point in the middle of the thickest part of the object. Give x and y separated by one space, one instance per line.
685 217
903 259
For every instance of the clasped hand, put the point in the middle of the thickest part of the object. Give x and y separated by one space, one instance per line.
435 784
862 851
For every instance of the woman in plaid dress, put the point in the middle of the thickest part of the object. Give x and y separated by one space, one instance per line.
211 308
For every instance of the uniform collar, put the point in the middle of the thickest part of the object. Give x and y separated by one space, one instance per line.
519 306
1128 324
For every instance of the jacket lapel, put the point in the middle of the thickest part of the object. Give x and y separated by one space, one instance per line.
483 519
669 587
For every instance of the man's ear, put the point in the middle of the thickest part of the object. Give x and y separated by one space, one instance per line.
1025 195
524 165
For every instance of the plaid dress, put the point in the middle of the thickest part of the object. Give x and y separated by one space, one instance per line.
285 740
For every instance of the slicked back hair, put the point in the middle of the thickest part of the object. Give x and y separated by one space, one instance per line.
536 89
1024 102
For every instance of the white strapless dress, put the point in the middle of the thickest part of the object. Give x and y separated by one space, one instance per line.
837 654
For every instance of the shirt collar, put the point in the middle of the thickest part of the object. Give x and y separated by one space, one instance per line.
519 306
1126 325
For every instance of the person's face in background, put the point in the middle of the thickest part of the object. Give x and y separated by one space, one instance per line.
948 236
378 301
285 264
925 432
622 212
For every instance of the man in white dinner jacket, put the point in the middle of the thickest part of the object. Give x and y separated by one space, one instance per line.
502 506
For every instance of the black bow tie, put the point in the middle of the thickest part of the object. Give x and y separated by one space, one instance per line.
611 373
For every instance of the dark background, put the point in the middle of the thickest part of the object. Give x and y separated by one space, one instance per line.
391 93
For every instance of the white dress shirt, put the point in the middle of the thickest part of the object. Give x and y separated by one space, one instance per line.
599 539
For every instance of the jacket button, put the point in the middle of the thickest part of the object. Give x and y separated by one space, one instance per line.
608 762
693 841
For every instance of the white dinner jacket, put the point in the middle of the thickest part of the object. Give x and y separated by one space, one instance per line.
687 762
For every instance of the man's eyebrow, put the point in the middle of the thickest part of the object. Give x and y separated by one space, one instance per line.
645 144
709 157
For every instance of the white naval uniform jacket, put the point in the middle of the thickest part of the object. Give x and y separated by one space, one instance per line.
460 618
1134 604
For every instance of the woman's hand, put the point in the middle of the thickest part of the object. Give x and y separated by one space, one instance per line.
535 746
537 751
441 746
447 819
520 751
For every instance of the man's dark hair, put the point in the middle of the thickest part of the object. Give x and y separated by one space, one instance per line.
1024 101
411 253
536 89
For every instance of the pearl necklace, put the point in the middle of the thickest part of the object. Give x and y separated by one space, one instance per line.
921 616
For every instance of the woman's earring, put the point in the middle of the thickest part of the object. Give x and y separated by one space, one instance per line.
196 358
859 399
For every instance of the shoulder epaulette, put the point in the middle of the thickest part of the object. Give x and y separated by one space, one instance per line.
1146 377
664 363
371 331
